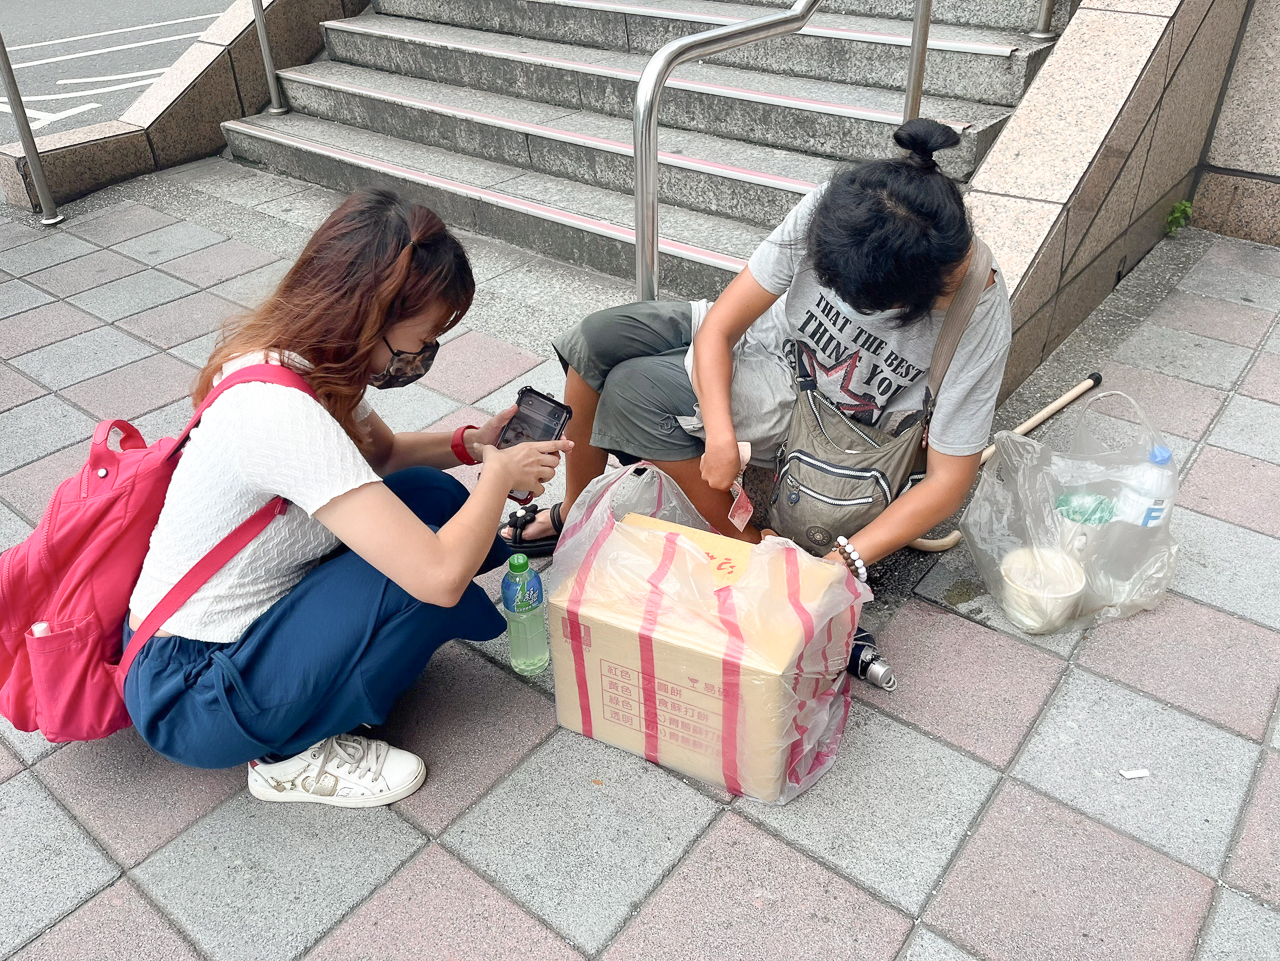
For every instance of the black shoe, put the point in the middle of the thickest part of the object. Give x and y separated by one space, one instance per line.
520 519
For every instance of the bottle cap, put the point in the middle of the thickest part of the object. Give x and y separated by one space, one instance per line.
518 563
1160 455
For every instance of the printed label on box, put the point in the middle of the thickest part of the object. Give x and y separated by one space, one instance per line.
686 711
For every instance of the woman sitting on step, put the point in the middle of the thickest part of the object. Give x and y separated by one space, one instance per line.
854 283
328 616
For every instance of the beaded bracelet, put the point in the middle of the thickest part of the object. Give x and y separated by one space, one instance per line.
852 559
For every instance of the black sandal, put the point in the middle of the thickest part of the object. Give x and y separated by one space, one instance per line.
521 518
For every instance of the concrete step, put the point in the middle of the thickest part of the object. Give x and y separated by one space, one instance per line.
573 222
812 116
727 178
971 63
1016 15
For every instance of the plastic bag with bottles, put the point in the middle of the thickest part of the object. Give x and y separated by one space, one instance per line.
1075 538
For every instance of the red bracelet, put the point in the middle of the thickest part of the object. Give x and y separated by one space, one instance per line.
459 446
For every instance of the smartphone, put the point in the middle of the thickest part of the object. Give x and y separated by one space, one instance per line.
537 417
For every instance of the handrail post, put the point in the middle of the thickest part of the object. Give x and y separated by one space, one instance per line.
48 208
1044 25
268 62
915 68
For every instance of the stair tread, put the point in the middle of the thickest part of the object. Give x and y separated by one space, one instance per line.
803 93
717 235
864 28
805 168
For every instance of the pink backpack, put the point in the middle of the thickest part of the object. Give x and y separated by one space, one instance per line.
73 577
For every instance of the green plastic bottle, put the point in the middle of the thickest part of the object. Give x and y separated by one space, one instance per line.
526 625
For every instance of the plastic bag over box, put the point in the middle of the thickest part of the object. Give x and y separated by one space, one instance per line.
704 654
1079 537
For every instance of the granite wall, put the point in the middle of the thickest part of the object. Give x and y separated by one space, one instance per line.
1108 138
1239 189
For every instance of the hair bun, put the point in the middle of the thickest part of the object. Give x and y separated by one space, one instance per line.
922 138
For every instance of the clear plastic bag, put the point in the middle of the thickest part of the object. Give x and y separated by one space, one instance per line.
1079 537
712 657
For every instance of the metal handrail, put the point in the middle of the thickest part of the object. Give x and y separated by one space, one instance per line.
1044 25
48 208
658 71
268 62
648 92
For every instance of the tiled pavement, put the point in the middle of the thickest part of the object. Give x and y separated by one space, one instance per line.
977 812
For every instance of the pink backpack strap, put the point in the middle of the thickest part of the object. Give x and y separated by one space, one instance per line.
233 543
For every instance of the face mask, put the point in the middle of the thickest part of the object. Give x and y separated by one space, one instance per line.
405 366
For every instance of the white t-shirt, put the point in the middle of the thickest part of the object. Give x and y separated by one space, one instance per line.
255 442
870 366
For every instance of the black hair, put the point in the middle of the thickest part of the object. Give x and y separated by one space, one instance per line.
888 233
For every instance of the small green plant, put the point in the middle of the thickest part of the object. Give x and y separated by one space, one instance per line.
1178 217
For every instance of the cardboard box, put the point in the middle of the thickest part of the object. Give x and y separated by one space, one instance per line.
709 656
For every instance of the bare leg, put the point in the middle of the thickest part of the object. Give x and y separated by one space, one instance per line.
712 504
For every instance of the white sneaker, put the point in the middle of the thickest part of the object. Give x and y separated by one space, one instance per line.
346 771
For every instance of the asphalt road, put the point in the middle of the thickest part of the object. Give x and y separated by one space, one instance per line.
81 62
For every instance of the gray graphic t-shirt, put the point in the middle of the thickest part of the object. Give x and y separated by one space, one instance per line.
870 366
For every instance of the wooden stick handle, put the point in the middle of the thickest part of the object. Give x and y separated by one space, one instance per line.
1089 383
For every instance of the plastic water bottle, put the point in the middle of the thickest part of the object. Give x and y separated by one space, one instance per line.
526 625
1147 496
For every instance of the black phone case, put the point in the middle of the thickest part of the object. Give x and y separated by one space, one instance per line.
568 416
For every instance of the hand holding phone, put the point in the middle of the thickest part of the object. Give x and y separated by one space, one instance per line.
537 417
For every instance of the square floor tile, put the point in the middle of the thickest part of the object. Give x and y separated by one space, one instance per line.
1263 380
1251 427
29 488
16 389
475 365
13 529
927 946
135 388
119 924
1171 404
197 352
1255 863
28 331
213 265
1224 565
170 242
1037 882
29 746
91 270
129 295
580 834
251 289
891 811
1210 317
1193 357
954 583
247 186
129 797
80 357
785 905
1234 488
181 320
1243 255
438 908
168 421
10 763
119 223
262 881
14 235
1149 651
1241 931
547 377
307 208
1229 283
44 425
471 723
48 865
409 408
976 688
1187 806
55 248
16 296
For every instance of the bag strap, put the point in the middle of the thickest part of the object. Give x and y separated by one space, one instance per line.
957 318
233 543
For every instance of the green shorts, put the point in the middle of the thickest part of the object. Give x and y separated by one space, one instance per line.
634 357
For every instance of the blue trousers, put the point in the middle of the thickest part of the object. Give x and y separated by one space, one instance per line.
332 654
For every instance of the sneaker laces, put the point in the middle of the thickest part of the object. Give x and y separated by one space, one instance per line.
361 755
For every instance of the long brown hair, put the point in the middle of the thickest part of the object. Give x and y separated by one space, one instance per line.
376 261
